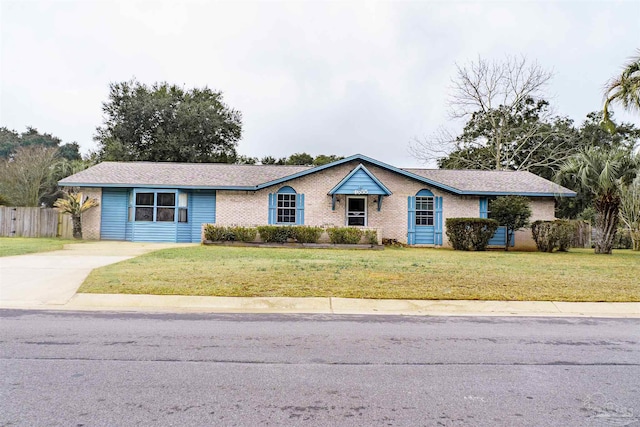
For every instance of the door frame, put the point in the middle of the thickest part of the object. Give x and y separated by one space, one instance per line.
366 213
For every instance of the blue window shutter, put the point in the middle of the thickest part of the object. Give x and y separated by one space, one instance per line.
484 207
300 209
438 221
272 208
411 233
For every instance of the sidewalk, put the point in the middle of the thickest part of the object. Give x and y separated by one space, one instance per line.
50 280
347 306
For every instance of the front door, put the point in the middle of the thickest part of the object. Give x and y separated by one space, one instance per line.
357 211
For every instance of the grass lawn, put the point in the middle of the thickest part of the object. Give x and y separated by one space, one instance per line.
412 273
28 245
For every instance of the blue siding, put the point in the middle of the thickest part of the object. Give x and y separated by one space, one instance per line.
425 235
114 205
484 207
438 221
411 220
359 181
147 231
500 237
202 210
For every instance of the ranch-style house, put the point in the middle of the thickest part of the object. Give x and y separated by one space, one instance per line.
169 202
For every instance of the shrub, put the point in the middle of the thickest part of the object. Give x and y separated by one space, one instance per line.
623 239
371 236
470 233
551 235
242 234
565 230
220 233
306 234
274 233
344 235
215 233
513 212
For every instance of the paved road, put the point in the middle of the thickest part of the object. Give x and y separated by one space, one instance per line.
106 369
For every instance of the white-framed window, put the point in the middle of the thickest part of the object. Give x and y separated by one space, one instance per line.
286 208
158 206
424 210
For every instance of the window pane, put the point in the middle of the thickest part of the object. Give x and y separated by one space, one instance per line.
182 215
286 212
144 214
145 199
165 214
183 198
166 199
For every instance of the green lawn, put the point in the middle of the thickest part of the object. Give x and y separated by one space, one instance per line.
411 273
28 245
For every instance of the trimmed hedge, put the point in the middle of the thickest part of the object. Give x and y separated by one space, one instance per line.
275 233
219 233
306 234
344 235
371 236
282 234
552 235
467 234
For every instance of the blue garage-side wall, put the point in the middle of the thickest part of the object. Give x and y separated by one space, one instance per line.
114 206
202 210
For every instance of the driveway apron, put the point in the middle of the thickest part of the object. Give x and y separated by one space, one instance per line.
52 278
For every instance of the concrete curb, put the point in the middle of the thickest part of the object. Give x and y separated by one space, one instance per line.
326 305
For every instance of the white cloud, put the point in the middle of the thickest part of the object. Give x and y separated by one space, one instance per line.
320 77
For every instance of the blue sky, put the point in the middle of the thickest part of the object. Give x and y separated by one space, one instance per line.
321 77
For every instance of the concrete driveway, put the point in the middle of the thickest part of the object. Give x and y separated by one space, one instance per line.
52 278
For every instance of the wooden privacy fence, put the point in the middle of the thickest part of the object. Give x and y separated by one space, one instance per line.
34 222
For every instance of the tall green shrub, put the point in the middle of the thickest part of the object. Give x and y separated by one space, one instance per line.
467 234
512 212
552 235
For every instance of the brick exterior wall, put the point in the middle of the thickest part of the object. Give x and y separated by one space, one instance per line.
250 208
91 218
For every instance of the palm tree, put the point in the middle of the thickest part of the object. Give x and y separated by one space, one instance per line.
75 205
603 172
624 89
630 211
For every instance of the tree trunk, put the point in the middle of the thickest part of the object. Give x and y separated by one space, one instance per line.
606 224
77 227
635 238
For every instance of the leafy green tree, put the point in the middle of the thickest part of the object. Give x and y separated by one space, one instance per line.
512 212
624 89
324 159
303 159
245 160
268 160
75 205
10 141
166 123
591 134
604 172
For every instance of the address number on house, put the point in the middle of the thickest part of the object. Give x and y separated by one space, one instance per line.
361 191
